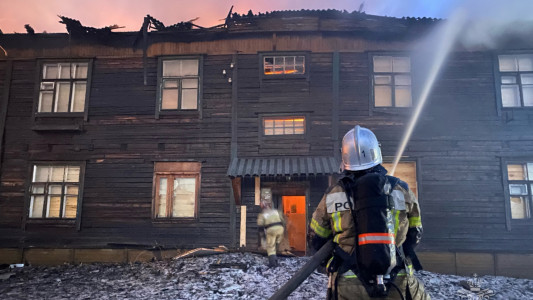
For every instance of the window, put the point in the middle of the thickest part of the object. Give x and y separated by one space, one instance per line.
391 81
520 184
54 191
180 84
283 65
406 171
176 189
284 126
516 80
63 87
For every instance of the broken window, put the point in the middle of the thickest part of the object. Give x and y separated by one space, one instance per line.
391 80
520 185
176 189
179 84
406 171
516 80
284 65
284 125
54 191
63 87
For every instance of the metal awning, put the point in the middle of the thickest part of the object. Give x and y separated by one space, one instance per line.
284 166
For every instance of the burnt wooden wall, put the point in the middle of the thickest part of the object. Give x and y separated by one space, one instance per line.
309 97
120 143
457 144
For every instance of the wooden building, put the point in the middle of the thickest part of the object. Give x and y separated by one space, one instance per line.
116 142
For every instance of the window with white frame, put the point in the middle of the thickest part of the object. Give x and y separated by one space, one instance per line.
176 189
391 80
516 80
180 84
283 65
54 191
63 87
283 125
520 185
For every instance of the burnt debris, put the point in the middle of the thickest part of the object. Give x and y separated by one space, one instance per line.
29 29
75 28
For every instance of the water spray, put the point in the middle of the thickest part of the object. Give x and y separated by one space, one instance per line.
450 31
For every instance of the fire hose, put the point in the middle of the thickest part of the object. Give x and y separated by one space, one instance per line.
304 272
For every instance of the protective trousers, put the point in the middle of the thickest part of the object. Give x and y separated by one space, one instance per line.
274 235
350 288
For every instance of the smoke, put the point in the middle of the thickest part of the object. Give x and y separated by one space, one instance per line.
474 24
491 22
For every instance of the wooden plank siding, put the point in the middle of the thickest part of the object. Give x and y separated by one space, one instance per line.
458 143
120 143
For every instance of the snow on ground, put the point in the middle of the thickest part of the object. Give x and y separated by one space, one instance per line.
196 278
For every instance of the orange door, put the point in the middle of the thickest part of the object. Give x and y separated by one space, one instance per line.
294 211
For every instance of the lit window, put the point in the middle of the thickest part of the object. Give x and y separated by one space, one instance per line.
516 80
520 179
63 88
54 191
176 189
284 126
392 81
406 171
180 82
283 65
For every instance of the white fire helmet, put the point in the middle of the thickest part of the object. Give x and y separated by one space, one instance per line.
360 150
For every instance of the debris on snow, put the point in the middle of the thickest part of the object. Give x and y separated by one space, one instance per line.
196 278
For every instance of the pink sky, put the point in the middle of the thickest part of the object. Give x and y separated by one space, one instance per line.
42 14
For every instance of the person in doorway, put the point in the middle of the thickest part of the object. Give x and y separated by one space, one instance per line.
374 232
270 222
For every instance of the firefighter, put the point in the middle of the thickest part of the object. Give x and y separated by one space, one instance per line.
270 223
335 216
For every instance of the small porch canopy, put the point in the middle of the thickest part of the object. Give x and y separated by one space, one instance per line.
283 166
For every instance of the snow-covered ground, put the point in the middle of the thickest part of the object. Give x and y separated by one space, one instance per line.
199 278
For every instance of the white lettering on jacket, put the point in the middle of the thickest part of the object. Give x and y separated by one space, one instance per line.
337 202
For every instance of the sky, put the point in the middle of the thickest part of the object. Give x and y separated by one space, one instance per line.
42 15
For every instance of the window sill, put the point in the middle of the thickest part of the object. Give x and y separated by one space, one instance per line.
60 115
393 110
513 108
58 122
187 113
51 222
283 137
57 127
174 221
284 76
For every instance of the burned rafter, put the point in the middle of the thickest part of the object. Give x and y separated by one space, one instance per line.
181 26
29 29
75 28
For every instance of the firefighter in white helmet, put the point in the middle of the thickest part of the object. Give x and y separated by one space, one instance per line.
270 223
375 231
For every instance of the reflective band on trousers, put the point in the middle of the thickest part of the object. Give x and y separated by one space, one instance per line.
376 238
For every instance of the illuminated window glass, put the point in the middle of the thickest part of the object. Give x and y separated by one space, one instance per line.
284 126
520 179
176 190
392 81
283 65
63 87
54 191
516 80
180 83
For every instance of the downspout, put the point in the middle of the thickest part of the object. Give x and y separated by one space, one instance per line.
233 151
